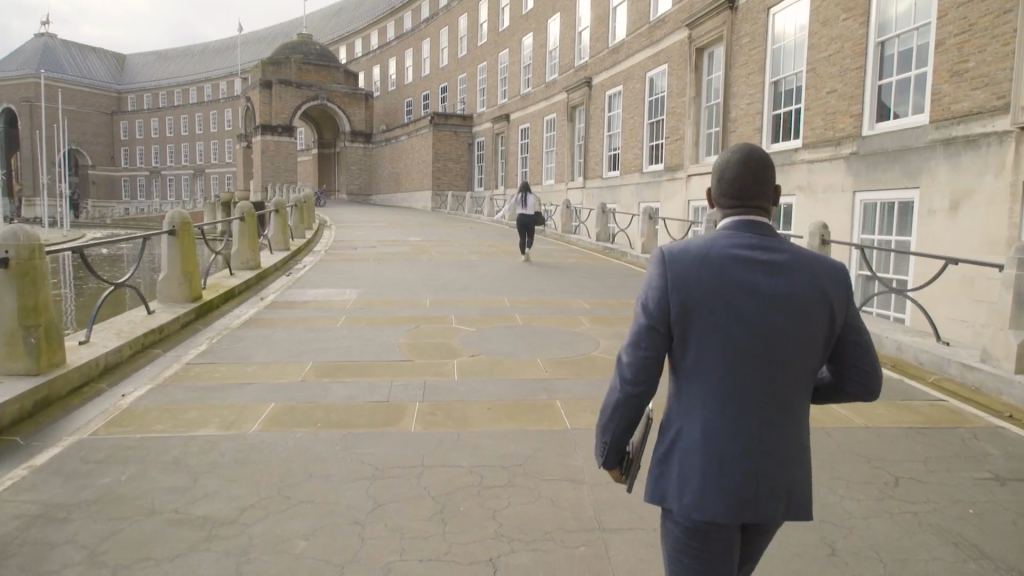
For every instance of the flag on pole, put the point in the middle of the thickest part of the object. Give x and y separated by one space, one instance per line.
240 27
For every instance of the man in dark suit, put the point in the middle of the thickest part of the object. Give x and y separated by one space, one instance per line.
747 320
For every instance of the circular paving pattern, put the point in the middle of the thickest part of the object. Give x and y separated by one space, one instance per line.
529 342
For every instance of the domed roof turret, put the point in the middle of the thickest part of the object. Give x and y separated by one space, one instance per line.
304 48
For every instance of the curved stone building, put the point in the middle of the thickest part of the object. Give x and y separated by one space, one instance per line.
895 121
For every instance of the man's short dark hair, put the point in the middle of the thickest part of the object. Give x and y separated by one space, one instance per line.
743 181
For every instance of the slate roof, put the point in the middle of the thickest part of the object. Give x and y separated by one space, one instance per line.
107 69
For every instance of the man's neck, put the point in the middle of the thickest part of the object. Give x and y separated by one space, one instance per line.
738 218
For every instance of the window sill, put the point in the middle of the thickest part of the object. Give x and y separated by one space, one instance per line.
782 147
609 175
652 169
896 125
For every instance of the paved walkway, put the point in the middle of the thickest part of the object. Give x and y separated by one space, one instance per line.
419 402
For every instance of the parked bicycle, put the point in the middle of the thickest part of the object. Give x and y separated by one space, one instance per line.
320 198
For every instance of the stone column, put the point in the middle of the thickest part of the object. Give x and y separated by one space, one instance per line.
31 339
298 217
1004 349
648 230
565 220
245 245
601 231
180 281
279 237
818 236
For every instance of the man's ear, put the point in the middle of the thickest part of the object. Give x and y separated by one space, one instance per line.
711 203
776 195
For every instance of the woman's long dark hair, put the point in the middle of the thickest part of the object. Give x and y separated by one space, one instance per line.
524 193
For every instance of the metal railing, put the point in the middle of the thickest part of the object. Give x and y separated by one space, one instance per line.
550 211
263 229
890 288
459 201
663 225
124 283
441 201
617 228
478 203
221 251
578 219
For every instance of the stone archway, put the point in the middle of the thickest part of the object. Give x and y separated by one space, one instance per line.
78 164
322 131
10 162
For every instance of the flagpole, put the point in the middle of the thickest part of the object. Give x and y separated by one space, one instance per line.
62 197
56 175
303 16
46 175
67 181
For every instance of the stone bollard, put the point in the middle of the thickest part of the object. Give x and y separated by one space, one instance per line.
298 217
489 205
180 281
450 206
818 236
225 212
245 243
648 230
565 220
279 237
310 214
469 203
209 211
31 338
1004 349
711 220
602 233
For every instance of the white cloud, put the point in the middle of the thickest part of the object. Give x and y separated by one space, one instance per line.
142 25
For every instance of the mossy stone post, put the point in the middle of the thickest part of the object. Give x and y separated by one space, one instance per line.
602 233
310 219
279 238
245 245
565 219
298 216
818 236
180 281
31 338
648 230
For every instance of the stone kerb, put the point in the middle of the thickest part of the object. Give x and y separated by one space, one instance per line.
602 233
31 340
298 217
1004 349
180 280
279 239
245 244
648 230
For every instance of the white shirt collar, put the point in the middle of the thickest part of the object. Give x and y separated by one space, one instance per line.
738 218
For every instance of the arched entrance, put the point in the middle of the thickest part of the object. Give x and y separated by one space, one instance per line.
10 162
77 163
321 133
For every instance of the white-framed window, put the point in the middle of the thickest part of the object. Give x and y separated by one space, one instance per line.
343 53
140 156
147 101
504 13
362 79
463 35
177 97
124 130
140 129
229 151
376 80
193 95
901 48
462 94
698 210
156 188
200 153
140 191
550 141
425 103
481 29
442 97
785 78
617 22
214 185
185 154
199 123
524 153
223 90
184 125
156 156
582 31
228 120
654 119
408 66
408 109
425 57
886 219
782 216
126 158
659 7
186 188
208 92
579 144
358 44
215 152
390 30
424 10
170 154
131 103
481 87
503 77
443 45
392 73
238 86
527 63
500 176
407 21
657 214
613 132
374 39
478 164
169 125
554 31
229 183
213 121
201 189
154 127
712 89
527 6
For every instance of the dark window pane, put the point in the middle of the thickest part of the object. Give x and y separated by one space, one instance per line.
887 59
905 56
901 99
883 105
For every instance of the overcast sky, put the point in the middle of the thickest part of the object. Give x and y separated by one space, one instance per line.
139 25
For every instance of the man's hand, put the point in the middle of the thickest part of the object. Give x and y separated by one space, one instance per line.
616 475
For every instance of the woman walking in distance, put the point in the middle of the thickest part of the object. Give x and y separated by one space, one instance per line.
528 217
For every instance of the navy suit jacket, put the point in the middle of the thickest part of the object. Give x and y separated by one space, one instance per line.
746 320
